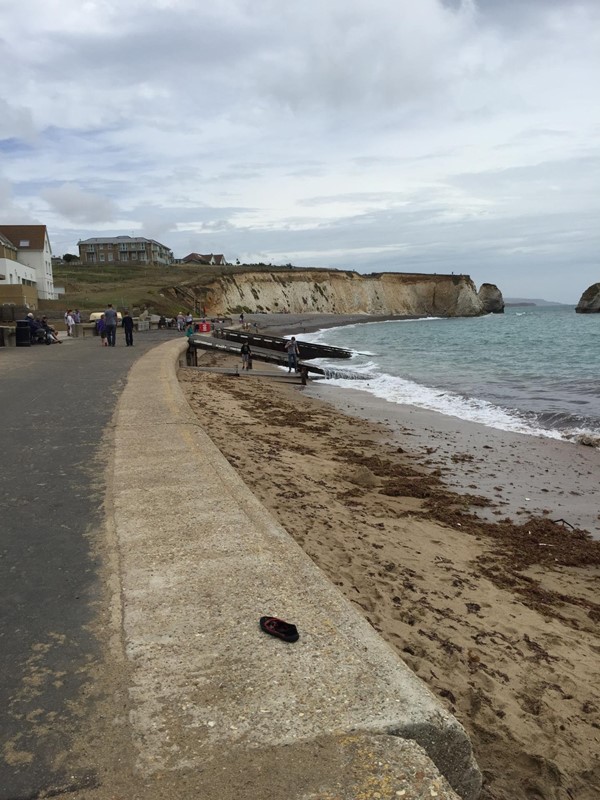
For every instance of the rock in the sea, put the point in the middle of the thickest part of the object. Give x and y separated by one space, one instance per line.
590 300
491 299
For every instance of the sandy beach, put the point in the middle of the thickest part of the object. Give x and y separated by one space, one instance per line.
442 534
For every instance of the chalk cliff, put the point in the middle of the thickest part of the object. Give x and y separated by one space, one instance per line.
341 292
491 299
589 302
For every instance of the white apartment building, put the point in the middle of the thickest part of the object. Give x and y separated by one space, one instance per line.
33 251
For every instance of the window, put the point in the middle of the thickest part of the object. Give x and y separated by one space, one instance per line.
134 256
123 256
24 243
101 256
110 256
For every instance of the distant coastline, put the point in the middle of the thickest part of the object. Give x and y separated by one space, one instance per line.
531 301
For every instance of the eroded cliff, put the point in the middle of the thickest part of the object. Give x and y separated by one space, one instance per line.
337 291
589 302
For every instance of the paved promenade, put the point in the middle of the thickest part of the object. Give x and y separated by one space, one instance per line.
55 405
136 570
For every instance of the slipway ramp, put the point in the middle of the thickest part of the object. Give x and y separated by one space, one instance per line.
217 702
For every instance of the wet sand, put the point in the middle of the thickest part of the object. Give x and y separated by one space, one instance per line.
500 619
520 475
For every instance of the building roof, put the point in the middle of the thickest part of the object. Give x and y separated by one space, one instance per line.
196 257
6 242
119 239
199 258
35 235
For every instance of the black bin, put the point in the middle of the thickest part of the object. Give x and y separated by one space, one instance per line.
23 334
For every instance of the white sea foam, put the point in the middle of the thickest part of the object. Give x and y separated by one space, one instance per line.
398 390
498 373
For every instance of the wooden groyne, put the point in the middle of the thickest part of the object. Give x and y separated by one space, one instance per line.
262 353
277 343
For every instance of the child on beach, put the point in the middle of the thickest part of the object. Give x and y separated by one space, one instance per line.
101 328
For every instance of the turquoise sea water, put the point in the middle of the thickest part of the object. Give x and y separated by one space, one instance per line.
532 369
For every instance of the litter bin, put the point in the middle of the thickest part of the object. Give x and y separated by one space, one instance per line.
23 334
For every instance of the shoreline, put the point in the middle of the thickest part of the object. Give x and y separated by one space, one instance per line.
549 477
521 475
294 324
499 620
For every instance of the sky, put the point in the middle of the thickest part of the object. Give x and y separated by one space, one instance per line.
389 135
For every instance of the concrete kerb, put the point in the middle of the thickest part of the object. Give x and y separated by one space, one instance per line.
201 561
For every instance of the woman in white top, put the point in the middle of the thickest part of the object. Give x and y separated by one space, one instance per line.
69 322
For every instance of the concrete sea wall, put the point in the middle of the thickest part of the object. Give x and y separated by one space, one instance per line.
201 561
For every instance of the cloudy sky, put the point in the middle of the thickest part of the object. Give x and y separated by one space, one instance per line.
418 135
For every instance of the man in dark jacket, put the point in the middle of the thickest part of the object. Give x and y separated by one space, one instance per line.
127 325
35 329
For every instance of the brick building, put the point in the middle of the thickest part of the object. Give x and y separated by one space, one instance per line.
123 250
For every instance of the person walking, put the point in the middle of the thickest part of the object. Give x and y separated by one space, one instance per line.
110 321
101 328
127 325
246 356
292 353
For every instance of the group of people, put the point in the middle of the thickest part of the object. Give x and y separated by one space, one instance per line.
40 330
106 327
184 321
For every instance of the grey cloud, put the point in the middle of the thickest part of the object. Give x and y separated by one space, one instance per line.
10 210
437 124
71 202
353 197
16 121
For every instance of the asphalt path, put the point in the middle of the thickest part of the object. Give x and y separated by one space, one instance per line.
56 405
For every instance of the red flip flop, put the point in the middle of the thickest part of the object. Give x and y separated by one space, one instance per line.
277 627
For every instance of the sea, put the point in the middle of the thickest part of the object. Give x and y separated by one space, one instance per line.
533 370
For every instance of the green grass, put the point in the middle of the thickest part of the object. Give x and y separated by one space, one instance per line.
161 289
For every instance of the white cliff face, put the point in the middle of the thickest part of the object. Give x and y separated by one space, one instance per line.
299 291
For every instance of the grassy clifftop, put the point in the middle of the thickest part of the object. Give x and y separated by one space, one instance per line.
182 287
91 287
